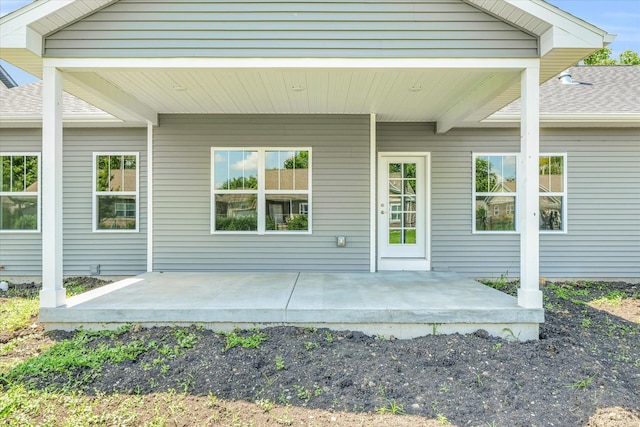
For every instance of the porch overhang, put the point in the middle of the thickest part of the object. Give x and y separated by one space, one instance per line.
450 92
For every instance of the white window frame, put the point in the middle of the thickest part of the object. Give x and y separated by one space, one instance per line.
96 194
261 192
515 194
26 193
563 194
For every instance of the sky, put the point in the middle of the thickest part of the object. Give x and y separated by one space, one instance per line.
618 17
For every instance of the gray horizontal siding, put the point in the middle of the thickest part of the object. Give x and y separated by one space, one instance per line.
153 28
603 201
182 195
604 205
117 253
21 253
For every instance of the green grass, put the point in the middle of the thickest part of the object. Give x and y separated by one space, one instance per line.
16 313
613 298
78 353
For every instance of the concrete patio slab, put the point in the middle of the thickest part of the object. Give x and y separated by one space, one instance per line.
400 303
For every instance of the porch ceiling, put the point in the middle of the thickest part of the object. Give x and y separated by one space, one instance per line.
429 95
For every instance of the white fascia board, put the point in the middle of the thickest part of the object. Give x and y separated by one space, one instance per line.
555 16
91 64
14 26
559 38
73 122
120 104
633 118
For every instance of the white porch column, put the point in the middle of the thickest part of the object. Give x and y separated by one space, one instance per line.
149 196
53 294
529 294
373 191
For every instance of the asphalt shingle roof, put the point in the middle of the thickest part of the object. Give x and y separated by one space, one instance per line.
614 89
25 102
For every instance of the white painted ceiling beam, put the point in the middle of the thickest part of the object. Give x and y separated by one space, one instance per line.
116 102
115 64
476 99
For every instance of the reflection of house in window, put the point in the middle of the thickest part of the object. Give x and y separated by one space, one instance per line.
396 212
126 210
496 210
510 209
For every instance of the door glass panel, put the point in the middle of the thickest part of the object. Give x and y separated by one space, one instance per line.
410 236
402 203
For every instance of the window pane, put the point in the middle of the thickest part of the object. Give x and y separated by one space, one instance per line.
485 180
284 212
32 174
116 212
237 212
129 173
102 172
17 173
409 170
495 213
410 186
495 174
19 213
410 236
5 175
287 170
551 213
236 170
552 174
395 236
116 173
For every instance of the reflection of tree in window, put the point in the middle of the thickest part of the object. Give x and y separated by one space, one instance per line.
19 192
552 192
495 192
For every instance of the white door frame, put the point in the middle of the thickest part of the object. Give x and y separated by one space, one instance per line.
422 262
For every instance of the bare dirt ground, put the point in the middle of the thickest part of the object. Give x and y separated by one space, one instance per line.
584 371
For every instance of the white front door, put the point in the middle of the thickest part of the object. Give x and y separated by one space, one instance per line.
403 216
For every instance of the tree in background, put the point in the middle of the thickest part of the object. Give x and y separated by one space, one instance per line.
603 57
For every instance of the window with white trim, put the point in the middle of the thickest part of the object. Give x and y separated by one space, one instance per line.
261 190
19 192
553 192
494 192
115 191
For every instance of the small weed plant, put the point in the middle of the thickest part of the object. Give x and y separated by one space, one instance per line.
391 407
302 392
581 384
279 363
232 339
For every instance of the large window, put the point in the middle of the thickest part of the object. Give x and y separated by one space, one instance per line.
495 192
261 190
495 179
553 192
19 192
115 200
